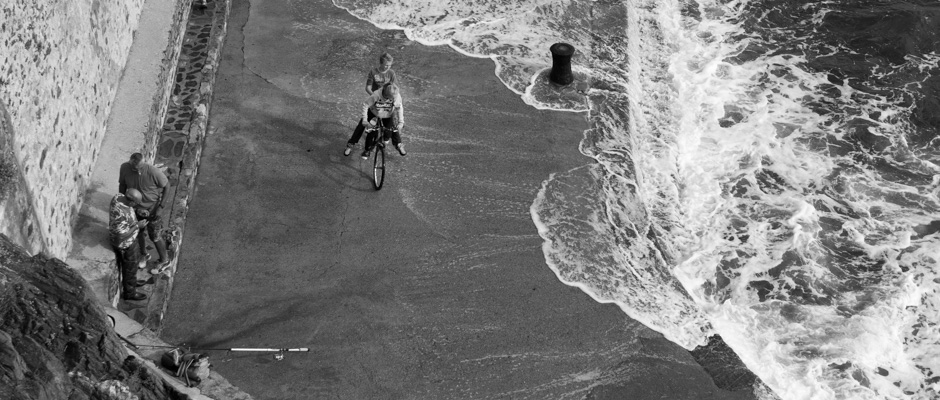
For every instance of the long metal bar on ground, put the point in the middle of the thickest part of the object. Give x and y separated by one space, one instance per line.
266 349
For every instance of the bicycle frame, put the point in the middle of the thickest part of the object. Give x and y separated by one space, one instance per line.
383 133
379 134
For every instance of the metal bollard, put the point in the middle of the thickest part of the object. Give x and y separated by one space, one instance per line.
561 63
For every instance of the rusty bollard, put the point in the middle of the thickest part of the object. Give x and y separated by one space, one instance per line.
561 63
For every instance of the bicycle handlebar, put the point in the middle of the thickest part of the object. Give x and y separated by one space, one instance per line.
379 126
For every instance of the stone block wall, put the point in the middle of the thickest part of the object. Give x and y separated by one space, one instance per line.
17 219
161 98
60 65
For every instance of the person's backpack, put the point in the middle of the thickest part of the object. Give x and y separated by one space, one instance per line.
171 359
192 367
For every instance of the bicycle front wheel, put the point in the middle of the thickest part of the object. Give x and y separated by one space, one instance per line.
378 166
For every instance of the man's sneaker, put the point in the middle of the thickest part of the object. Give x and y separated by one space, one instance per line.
366 154
160 267
348 150
401 149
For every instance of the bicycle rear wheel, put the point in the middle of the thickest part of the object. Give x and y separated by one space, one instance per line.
378 165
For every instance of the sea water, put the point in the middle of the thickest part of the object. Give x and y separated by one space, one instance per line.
765 170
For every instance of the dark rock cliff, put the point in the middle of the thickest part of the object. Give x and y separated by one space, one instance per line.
56 342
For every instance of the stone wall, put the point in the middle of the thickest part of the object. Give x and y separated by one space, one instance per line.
17 219
166 79
60 65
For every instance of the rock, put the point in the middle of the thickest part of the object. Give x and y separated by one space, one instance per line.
724 366
12 365
56 341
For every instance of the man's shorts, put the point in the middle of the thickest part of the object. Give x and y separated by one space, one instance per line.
155 228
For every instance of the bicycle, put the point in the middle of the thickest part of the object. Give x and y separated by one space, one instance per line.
378 158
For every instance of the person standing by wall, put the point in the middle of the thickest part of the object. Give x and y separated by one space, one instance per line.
154 189
123 231
377 78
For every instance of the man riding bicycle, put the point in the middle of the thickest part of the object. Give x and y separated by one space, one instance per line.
385 104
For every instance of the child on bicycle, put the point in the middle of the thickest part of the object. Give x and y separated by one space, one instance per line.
385 104
377 78
381 75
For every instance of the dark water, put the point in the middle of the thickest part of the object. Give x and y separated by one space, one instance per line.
765 170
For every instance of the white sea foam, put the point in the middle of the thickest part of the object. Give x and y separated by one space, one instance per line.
763 197
723 198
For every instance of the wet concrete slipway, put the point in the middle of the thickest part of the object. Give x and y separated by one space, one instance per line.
434 287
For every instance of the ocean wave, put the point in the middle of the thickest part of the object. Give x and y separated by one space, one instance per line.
765 170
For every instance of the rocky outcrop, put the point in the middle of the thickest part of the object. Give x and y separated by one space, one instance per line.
56 342
724 366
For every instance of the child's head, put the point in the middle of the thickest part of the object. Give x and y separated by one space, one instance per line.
385 61
389 91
